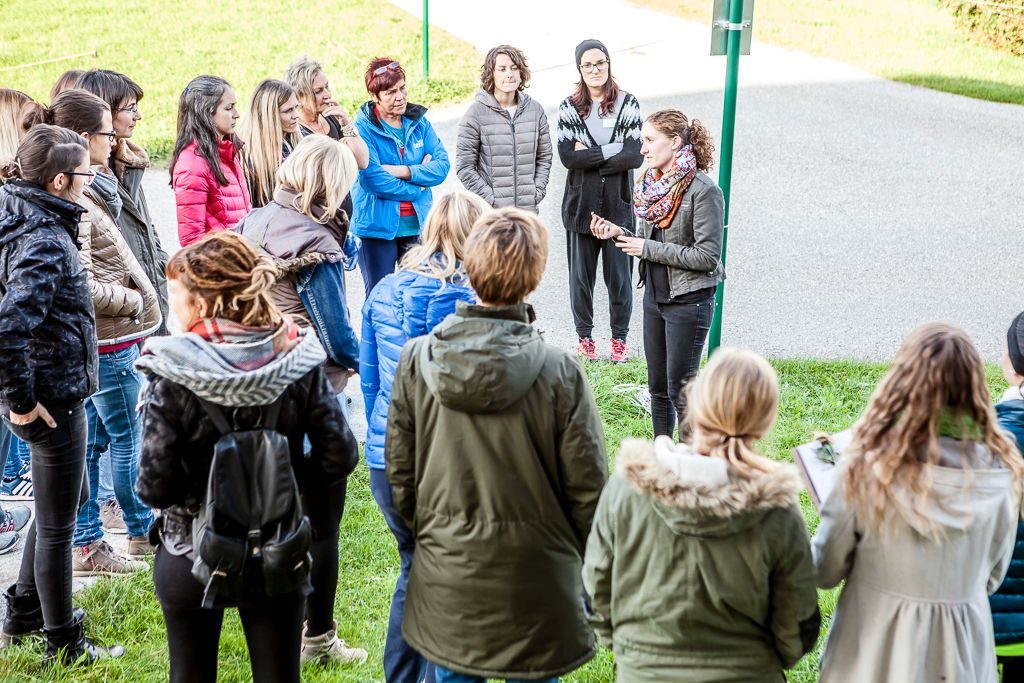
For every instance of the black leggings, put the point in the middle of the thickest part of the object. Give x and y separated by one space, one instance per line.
273 628
674 337
324 507
58 468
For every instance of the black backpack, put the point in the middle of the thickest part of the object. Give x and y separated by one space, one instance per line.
250 536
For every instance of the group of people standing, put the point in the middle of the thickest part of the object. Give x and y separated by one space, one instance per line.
486 451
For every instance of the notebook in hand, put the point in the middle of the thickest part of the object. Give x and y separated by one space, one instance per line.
817 473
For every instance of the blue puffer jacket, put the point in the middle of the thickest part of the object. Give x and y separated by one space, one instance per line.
403 305
378 194
1008 602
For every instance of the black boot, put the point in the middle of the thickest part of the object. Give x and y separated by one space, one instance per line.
69 646
24 617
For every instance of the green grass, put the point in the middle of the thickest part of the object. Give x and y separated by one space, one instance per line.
815 395
163 44
913 41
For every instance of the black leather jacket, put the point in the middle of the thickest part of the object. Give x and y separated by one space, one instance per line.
47 324
178 439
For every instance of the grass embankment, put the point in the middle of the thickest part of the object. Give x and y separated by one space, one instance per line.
163 44
913 41
816 395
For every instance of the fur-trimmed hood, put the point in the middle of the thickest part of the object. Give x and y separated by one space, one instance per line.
697 495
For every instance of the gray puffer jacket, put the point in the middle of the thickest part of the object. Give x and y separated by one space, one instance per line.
692 243
506 159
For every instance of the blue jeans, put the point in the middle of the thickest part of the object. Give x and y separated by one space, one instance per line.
402 664
442 675
114 421
13 453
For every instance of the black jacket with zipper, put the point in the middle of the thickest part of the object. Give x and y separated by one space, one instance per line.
47 325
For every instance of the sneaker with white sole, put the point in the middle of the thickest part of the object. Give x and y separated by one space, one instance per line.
587 349
328 647
112 518
18 487
8 542
14 518
620 351
100 559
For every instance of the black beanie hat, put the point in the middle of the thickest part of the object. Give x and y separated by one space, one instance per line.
1015 343
590 44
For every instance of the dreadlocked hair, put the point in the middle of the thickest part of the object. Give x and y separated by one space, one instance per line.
937 377
732 402
225 272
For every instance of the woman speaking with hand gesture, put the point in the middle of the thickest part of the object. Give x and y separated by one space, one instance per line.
682 220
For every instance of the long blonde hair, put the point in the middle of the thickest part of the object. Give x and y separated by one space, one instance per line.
937 374
447 226
732 402
320 171
264 138
16 110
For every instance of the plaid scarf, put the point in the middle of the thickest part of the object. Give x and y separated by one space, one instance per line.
657 195
231 364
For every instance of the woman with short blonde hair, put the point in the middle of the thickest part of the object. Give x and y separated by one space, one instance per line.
406 304
17 111
921 521
305 231
268 135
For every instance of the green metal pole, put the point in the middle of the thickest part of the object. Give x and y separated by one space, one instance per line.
426 40
725 164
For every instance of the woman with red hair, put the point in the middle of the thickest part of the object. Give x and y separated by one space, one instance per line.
407 158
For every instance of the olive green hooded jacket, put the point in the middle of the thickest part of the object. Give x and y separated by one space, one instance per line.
697 574
495 455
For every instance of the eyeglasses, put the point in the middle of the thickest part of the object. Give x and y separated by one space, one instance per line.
393 66
596 66
133 109
112 135
88 175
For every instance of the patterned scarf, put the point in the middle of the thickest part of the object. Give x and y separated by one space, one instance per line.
231 364
657 195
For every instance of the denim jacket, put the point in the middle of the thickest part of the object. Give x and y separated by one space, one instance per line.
322 289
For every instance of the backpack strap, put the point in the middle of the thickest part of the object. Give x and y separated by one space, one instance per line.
268 418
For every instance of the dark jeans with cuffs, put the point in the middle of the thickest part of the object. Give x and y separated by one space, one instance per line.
272 626
402 664
58 470
674 336
582 250
378 257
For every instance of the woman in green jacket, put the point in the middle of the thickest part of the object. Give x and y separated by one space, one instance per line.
698 565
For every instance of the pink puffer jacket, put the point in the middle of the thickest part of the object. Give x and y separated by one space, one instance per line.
204 205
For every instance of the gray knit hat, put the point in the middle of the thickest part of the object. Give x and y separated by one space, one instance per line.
1015 343
590 44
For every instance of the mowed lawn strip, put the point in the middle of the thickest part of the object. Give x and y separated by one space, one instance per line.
913 41
162 45
815 396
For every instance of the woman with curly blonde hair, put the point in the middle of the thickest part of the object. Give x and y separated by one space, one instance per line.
921 522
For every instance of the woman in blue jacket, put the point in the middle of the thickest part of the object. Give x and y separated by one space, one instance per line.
1008 602
404 305
407 158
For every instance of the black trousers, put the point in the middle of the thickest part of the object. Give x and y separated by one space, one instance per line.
674 337
582 250
324 507
58 470
273 627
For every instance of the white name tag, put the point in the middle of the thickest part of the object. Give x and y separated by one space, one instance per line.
607 123
418 143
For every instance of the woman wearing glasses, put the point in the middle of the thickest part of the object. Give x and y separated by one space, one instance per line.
504 146
599 142
407 158
47 369
127 311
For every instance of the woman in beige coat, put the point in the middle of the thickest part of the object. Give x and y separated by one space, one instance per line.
921 523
